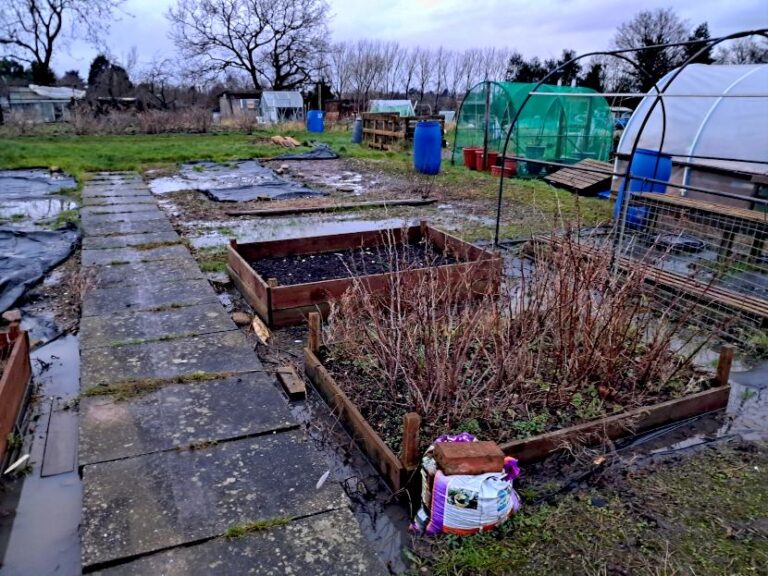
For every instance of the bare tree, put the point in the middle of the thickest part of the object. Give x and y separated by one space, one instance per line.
366 68
423 70
744 51
410 63
272 41
442 61
339 67
647 30
471 64
31 29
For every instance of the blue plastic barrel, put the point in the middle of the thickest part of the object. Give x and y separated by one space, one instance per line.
315 121
427 147
645 164
357 131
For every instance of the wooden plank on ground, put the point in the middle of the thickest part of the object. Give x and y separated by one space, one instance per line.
268 212
620 425
60 444
292 384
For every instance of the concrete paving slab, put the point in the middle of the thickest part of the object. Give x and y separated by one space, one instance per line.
117 329
143 504
101 301
116 200
115 191
119 209
134 255
106 242
328 544
167 359
97 219
145 272
137 227
178 415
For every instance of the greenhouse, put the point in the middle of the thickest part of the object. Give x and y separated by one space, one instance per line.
556 125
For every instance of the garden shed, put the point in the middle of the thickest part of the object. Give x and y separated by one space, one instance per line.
558 124
282 106
714 125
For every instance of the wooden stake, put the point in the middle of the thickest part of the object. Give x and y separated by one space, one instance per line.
272 282
411 428
314 331
724 365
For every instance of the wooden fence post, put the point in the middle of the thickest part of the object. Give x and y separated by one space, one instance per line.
314 331
724 364
411 428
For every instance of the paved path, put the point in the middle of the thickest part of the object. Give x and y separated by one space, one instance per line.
182 433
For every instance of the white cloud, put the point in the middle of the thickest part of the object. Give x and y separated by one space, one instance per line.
539 27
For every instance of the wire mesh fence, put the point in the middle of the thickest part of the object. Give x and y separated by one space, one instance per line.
709 253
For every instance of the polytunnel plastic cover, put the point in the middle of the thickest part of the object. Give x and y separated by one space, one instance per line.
563 123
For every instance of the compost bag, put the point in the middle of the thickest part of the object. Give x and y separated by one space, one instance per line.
26 256
464 504
319 152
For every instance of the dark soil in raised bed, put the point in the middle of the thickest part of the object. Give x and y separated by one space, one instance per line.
303 268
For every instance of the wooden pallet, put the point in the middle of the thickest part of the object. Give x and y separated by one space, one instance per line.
750 305
385 130
596 177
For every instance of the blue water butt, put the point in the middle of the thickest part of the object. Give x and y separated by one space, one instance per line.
357 131
315 121
645 164
427 147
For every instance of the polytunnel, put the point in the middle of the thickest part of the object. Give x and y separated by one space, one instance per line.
557 125
714 125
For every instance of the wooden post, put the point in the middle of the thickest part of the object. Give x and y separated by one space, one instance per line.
272 282
724 365
314 331
411 428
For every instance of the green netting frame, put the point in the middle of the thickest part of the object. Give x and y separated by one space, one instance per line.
563 128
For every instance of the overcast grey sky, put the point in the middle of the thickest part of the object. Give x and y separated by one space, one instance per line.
534 27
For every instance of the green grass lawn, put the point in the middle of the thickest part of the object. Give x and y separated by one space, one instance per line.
532 204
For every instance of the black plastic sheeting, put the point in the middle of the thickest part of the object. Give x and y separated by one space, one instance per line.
319 152
233 182
35 183
26 256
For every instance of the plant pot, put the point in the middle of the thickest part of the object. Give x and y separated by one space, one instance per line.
510 164
469 157
491 161
508 172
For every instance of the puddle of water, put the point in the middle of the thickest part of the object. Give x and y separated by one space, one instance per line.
39 525
29 184
204 234
22 212
384 522
234 182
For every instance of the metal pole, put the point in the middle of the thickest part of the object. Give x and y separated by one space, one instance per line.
487 121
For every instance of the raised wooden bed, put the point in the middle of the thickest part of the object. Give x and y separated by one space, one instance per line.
397 470
291 304
14 345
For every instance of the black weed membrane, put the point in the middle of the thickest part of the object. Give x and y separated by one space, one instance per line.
27 256
233 182
318 152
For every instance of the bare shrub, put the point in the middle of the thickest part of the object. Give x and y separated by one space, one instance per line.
566 341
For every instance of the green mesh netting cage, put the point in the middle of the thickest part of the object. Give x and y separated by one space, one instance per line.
557 126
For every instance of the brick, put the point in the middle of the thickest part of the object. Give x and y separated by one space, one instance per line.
292 384
469 457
